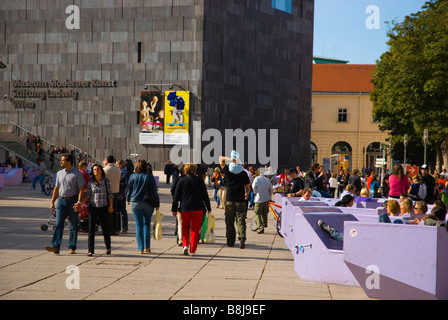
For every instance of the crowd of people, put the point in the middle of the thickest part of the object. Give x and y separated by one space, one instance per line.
237 188
396 183
407 199
104 189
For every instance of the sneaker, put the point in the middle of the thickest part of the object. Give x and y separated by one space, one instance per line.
185 251
243 244
32 188
192 254
325 227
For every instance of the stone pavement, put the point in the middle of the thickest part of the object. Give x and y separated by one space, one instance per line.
262 271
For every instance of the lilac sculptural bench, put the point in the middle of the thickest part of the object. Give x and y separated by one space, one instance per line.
411 259
13 177
393 261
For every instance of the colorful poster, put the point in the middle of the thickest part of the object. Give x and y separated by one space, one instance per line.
177 117
151 117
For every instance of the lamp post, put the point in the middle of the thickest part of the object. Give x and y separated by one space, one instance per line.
364 162
405 142
425 141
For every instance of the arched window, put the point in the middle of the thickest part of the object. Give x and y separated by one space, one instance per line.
373 151
313 153
341 156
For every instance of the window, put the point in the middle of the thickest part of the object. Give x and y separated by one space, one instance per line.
283 5
139 52
342 115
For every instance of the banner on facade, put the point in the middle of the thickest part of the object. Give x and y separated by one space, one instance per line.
151 117
177 117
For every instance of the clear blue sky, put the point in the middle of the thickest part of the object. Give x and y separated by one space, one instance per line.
340 29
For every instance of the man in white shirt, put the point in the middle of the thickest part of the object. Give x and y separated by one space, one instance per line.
113 173
263 190
307 193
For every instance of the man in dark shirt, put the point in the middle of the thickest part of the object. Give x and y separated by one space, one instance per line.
314 180
169 168
238 189
430 183
297 184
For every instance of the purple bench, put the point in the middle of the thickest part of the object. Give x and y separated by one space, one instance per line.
317 257
393 261
411 259
287 217
13 177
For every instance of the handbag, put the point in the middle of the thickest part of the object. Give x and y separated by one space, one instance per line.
210 233
158 225
149 197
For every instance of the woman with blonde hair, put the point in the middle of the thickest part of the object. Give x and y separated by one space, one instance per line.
190 198
364 197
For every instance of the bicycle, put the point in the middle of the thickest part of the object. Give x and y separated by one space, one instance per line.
277 213
48 185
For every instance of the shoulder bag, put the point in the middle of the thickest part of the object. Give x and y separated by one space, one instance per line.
149 197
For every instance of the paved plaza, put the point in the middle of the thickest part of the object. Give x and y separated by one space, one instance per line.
262 271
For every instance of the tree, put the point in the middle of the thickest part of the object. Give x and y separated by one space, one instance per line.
411 79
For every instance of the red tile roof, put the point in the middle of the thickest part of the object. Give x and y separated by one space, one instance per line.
343 77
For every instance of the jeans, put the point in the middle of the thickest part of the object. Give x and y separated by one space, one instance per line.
64 209
337 235
142 215
216 196
251 198
41 179
321 194
235 211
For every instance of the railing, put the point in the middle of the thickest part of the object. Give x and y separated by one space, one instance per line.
22 133
78 150
46 145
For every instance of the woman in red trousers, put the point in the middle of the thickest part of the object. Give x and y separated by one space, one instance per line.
190 198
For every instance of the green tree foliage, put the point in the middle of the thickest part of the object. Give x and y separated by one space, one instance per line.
411 79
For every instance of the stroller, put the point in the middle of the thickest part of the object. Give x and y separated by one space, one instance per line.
44 227
83 219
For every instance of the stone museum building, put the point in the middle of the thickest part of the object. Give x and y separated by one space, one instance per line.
72 71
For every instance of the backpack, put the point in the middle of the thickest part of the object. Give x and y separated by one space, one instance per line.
422 191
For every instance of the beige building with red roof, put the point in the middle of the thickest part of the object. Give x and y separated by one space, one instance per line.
343 131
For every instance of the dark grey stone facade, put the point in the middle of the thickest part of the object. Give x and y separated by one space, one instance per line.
246 65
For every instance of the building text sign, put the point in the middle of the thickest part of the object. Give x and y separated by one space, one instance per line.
53 89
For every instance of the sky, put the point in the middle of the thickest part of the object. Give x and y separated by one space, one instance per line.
350 29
